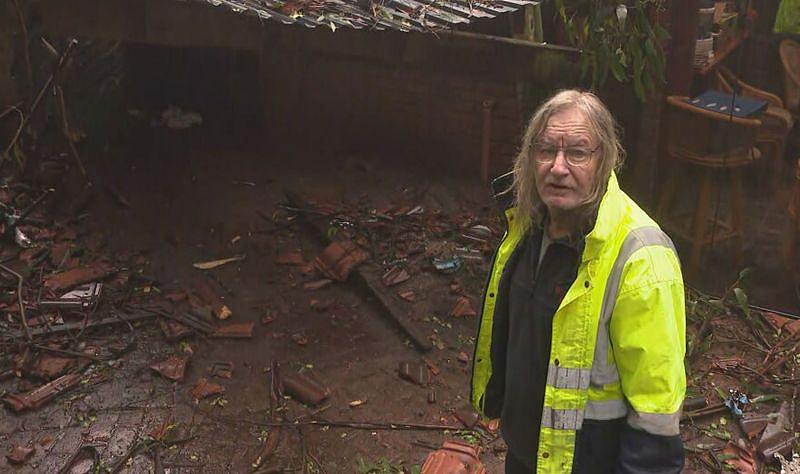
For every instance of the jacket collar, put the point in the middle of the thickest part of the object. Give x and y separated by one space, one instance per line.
609 214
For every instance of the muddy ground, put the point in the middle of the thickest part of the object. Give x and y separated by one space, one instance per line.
174 198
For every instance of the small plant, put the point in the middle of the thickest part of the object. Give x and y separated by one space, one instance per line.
470 436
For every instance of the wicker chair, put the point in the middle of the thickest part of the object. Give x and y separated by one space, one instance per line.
715 144
793 247
790 57
776 121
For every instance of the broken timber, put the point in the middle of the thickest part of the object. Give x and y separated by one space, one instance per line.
115 318
370 278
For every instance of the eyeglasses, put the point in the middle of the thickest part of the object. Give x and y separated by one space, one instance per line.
577 156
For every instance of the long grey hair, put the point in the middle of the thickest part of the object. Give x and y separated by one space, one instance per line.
611 154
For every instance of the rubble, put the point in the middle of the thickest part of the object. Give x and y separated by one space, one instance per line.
205 296
408 295
173 368
82 297
479 234
234 331
173 330
20 454
77 276
50 366
304 389
740 459
85 459
339 258
454 457
467 416
291 257
204 389
41 395
415 372
432 366
221 369
395 276
778 435
462 308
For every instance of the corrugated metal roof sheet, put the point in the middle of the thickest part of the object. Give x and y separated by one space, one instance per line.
403 15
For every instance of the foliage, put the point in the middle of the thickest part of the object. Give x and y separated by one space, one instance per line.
469 436
617 38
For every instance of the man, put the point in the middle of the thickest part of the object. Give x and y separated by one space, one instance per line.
582 335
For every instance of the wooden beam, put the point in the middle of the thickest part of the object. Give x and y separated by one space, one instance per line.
368 277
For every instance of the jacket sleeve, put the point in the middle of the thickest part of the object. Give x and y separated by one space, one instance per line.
648 337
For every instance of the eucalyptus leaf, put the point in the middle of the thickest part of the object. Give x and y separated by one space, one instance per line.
741 298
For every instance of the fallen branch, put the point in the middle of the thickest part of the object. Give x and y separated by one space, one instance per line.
719 407
115 318
20 281
47 85
358 425
67 134
70 353
778 362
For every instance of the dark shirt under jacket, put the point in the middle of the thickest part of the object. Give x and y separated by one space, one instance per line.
533 298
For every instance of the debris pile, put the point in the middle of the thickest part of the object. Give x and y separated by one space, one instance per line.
70 311
745 358
387 249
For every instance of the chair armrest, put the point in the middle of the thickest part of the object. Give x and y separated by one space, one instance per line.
753 91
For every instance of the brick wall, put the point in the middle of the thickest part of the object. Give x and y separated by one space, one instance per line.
343 105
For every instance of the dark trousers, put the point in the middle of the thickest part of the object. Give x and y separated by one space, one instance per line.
515 466
597 447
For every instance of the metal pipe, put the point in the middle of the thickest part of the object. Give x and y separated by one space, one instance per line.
486 139
503 39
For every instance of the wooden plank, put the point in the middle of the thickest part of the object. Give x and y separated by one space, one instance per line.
370 279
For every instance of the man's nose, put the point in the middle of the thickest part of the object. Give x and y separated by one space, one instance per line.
560 166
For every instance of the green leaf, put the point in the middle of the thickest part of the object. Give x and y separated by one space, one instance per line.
618 70
660 32
741 298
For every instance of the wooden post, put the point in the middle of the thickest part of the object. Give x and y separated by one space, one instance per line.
679 73
486 139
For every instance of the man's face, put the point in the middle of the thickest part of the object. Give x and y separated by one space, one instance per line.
563 186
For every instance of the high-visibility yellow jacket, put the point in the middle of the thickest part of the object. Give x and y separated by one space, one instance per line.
618 337
787 18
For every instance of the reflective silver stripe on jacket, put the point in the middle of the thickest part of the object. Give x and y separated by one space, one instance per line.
606 409
664 424
562 419
568 377
603 372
